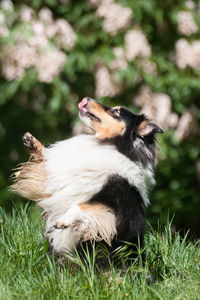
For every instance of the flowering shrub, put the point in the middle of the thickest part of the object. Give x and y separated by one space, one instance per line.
141 54
33 46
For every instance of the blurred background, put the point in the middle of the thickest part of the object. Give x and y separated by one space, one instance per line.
141 54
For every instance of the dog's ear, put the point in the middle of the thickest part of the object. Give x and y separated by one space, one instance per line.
146 127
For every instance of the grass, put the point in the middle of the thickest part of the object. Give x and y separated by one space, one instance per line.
27 271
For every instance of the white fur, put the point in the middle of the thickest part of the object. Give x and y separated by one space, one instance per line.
76 170
97 223
139 144
86 121
62 240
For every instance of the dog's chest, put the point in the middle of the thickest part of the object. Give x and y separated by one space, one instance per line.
79 167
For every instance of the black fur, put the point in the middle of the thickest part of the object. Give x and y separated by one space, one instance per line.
126 202
138 144
126 143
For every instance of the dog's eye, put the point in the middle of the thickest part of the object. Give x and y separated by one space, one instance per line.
114 111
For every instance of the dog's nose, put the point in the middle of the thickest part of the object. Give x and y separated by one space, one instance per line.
83 103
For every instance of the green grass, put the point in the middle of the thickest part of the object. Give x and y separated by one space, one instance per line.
27 271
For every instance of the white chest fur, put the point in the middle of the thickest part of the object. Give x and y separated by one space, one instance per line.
79 167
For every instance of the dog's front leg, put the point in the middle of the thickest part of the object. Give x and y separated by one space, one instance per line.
88 221
33 146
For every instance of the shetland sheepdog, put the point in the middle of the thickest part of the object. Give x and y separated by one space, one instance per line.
93 187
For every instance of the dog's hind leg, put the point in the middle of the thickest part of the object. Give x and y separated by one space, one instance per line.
33 146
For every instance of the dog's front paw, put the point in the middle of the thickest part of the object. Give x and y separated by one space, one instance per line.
68 219
60 225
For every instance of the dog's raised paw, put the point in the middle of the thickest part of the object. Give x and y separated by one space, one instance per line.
29 141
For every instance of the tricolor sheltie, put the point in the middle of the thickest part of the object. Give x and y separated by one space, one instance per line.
93 187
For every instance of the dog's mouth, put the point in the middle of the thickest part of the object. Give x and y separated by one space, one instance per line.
84 110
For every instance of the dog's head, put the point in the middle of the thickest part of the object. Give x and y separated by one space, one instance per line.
133 134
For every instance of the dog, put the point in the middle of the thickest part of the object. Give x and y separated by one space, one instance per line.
93 187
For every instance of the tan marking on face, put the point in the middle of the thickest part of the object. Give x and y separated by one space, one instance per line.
109 127
117 110
117 107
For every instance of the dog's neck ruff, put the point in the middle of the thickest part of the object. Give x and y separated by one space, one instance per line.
78 168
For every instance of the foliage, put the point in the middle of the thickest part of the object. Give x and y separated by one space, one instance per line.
48 109
28 271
